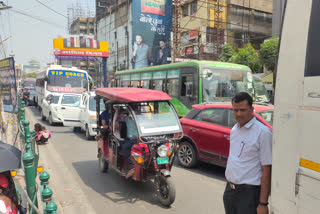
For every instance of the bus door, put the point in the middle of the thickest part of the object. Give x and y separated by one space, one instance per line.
188 87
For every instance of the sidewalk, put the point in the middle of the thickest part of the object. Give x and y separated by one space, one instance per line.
67 193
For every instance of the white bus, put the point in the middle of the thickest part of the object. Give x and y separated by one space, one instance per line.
296 141
57 78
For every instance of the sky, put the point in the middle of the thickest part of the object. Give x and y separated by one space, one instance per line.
32 38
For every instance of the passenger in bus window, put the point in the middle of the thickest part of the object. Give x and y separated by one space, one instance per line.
163 53
141 56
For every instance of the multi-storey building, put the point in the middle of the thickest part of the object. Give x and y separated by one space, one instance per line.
83 26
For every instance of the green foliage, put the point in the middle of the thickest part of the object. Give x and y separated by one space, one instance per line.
30 75
247 56
269 53
226 53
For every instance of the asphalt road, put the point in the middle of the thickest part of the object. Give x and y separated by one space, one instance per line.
79 186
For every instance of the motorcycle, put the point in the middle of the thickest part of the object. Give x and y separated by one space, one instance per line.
141 139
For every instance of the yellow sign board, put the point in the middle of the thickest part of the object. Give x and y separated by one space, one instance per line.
218 9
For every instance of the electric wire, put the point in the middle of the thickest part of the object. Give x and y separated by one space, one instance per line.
51 9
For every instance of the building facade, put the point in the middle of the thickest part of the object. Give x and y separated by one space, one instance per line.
83 26
205 26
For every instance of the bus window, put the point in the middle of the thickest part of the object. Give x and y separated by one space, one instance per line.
145 84
125 83
135 84
157 85
173 87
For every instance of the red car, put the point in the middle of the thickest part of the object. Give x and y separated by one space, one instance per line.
207 132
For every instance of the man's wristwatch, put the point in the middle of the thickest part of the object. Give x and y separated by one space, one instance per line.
263 204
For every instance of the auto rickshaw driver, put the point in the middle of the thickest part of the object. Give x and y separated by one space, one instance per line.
105 117
129 138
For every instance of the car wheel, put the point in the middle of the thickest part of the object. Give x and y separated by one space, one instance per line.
88 136
50 120
187 155
42 116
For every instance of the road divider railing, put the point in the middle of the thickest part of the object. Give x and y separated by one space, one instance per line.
30 160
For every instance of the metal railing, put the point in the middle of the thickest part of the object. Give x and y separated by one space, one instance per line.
30 160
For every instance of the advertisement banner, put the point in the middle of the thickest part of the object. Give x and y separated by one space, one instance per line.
8 86
151 27
80 46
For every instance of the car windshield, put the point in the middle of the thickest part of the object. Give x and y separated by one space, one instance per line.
92 104
154 118
267 116
70 100
222 85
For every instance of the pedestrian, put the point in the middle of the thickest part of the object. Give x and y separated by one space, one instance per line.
248 170
9 201
42 134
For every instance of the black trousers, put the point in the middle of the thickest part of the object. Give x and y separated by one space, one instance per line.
243 199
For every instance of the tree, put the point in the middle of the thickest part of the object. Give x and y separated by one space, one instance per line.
269 53
247 56
30 75
226 53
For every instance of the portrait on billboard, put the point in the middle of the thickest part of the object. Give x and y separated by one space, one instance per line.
163 53
156 7
141 56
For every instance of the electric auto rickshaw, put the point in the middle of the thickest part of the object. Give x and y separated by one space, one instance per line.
141 137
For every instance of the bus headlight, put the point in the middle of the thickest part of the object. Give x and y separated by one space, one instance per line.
162 151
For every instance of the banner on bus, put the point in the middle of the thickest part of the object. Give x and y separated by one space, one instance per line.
151 27
8 86
80 46
67 73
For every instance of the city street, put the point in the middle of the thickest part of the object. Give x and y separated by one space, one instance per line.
79 186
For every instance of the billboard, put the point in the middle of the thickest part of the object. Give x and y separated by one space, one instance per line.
151 27
8 86
80 46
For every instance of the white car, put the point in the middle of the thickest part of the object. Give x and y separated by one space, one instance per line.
61 108
88 114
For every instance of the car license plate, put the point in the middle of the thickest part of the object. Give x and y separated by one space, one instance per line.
162 160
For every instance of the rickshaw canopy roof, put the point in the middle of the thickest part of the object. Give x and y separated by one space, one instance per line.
127 95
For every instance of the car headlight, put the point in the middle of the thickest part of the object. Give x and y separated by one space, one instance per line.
163 151
55 108
93 119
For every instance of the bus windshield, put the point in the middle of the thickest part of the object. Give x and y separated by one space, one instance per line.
261 94
222 85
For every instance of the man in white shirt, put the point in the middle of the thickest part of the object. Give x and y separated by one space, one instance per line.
248 169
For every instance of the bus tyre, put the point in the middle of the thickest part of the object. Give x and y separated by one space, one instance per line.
166 190
103 164
43 118
187 155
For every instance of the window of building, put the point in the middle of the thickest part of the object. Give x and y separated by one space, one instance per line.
185 10
194 8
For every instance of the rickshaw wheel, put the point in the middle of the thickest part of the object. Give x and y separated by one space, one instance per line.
166 192
103 164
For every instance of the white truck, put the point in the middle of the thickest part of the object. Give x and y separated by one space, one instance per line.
296 141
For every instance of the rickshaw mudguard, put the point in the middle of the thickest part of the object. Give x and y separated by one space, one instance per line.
165 172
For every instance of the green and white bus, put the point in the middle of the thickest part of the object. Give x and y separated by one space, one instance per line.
193 82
